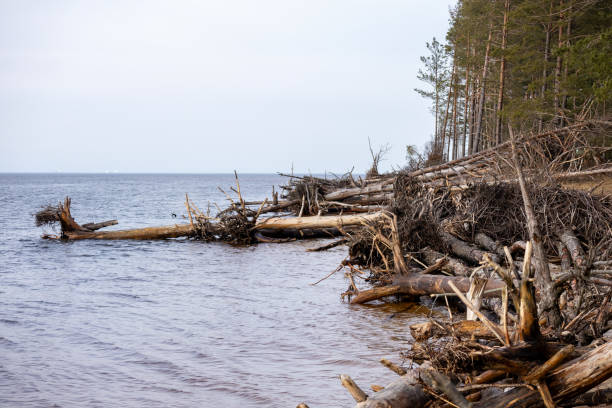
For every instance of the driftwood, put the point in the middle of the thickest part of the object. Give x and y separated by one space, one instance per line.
466 329
93 226
420 284
466 251
315 222
406 391
266 230
72 230
571 379
452 265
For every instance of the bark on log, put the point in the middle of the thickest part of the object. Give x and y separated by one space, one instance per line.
72 230
489 244
571 379
301 233
370 199
172 231
405 392
419 284
465 329
466 251
453 265
356 392
386 185
575 249
93 226
315 222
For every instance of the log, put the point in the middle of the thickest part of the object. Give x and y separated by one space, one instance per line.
465 329
489 244
453 265
405 392
315 222
420 284
370 199
569 380
72 230
300 233
172 231
466 251
93 226
576 252
386 185
442 383
353 388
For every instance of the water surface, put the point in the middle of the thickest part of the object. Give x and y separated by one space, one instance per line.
174 323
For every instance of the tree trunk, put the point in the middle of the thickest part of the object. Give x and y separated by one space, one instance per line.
502 66
481 99
572 378
172 231
403 392
419 284
448 102
455 97
557 90
466 96
315 222
548 295
544 71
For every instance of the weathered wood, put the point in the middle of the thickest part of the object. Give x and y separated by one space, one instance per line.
93 226
474 295
548 293
550 364
571 379
72 230
300 233
529 328
453 265
442 383
369 295
420 284
66 221
356 392
576 252
466 251
385 185
315 222
393 367
172 231
465 329
489 244
496 330
405 392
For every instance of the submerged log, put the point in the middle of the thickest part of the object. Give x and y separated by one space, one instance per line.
420 284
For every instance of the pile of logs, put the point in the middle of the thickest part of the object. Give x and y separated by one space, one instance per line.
493 234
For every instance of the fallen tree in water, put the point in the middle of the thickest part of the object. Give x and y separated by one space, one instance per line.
231 226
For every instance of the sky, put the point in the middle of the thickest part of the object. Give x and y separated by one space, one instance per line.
211 86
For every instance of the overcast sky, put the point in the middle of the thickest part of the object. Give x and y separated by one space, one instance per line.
211 86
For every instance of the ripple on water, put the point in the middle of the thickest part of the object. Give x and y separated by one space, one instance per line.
175 323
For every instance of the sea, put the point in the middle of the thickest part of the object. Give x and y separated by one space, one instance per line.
177 322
